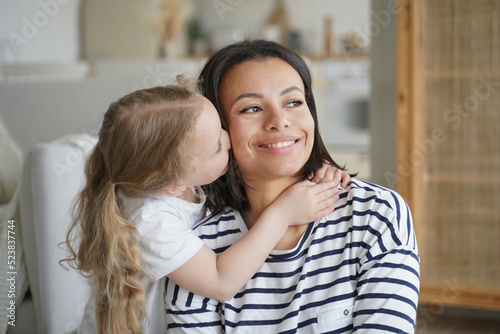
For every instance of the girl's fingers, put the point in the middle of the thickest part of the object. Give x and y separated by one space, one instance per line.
330 196
325 186
326 206
319 175
346 181
337 176
324 212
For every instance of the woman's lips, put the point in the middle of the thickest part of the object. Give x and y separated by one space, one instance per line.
279 146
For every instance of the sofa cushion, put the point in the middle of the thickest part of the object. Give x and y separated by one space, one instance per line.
10 164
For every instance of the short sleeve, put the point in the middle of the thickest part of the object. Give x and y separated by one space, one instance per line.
167 240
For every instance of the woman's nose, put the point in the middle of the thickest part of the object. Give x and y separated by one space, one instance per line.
277 119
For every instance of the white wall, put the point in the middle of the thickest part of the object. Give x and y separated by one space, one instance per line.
39 30
117 29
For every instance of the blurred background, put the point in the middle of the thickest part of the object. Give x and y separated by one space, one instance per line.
408 96
93 38
110 29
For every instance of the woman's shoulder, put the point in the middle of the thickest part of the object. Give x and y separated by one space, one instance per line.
367 192
382 207
363 185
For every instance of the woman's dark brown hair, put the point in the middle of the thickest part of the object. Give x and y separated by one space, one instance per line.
229 189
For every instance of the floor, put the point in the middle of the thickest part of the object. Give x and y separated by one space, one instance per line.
457 321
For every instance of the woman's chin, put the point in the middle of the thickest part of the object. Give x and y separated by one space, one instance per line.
284 172
270 169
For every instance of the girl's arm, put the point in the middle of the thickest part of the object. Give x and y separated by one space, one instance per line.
221 277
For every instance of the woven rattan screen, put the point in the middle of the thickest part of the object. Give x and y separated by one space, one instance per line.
457 143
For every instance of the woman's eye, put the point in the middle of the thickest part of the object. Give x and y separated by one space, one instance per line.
295 103
250 109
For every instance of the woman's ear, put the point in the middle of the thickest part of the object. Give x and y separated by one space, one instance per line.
175 190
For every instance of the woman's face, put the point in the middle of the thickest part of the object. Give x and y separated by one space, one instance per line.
269 122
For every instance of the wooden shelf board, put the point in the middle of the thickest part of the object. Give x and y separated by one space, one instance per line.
452 294
469 179
462 73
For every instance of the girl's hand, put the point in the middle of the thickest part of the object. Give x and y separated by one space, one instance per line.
329 173
306 201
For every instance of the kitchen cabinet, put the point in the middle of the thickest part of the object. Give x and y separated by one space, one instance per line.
448 145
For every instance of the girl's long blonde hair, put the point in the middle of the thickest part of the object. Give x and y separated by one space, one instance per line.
141 149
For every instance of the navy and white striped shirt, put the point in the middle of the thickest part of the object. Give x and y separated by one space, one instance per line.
356 270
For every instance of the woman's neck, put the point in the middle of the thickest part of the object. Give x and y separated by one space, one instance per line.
260 196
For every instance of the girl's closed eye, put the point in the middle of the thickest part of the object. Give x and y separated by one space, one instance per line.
219 148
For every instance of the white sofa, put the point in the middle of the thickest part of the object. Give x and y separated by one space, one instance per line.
38 115
51 178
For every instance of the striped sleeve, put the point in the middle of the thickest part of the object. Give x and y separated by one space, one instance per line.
388 274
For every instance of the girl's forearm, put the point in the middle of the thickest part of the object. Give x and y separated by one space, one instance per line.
237 264
221 277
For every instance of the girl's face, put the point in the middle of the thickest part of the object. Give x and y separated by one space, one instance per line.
209 146
270 124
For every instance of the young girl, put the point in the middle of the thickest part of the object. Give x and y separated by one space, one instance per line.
134 217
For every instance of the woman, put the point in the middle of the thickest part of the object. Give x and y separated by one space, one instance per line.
355 270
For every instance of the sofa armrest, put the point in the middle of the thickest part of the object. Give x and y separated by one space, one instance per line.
52 177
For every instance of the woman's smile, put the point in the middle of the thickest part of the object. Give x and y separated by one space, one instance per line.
279 146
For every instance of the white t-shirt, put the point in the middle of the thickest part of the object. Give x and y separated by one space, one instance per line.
167 242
